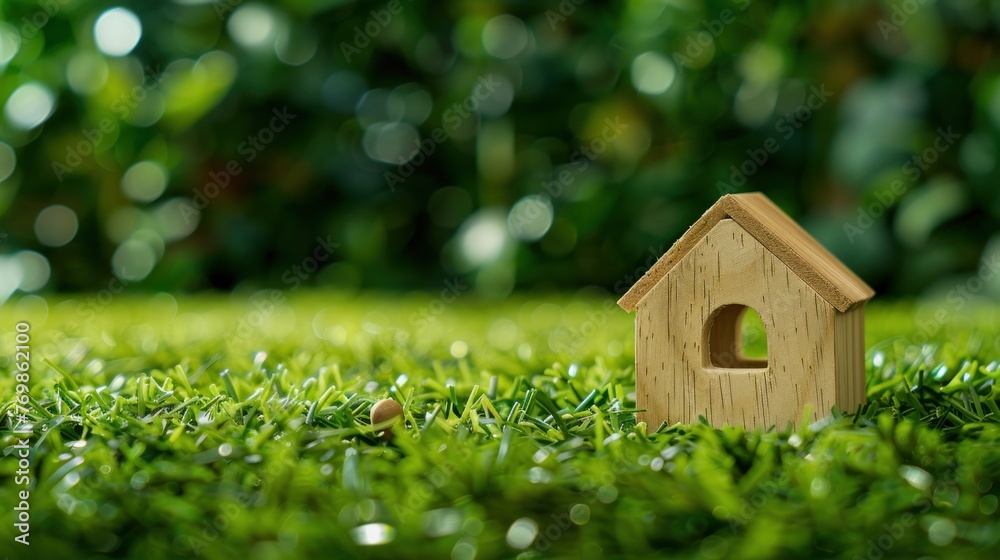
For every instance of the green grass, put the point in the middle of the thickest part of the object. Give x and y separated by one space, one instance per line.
166 429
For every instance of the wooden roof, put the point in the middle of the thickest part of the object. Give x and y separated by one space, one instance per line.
816 266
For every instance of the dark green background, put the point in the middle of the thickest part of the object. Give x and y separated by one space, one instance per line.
898 72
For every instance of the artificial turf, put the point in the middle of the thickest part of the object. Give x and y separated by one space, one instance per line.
234 427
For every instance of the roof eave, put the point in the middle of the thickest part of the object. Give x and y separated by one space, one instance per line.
744 209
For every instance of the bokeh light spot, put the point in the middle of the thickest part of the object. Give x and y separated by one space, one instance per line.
171 220
714 546
252 26
35 270
10 43
522 533
373 107
117 32
942 532
86 72
29 106
8 161
580 514
56 225
459 349
372 534
505 36
294 47
10 276
393 142
483 237
145 181
530 218
465 549
652 74
133 260
411 103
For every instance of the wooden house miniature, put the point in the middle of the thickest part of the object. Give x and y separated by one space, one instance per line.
744 252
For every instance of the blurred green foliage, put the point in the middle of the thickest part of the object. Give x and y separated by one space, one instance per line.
563 144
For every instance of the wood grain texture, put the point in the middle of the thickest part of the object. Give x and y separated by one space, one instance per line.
776 231
675 381
849 332
799 250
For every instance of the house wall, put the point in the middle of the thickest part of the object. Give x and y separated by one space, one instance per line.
849 330
674 383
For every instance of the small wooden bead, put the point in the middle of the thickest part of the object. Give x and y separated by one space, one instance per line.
383 411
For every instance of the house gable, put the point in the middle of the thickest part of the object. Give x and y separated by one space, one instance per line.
776 231
673 381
